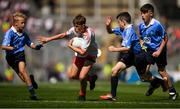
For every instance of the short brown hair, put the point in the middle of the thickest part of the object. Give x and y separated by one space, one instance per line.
124 16
146 8
79 20
16 15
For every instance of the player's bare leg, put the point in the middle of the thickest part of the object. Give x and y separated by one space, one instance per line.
155 82
83 81
146 76
23 72
166 78
172 91
74 72
21 77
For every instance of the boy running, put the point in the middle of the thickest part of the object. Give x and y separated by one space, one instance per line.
85 55
130 46
131 54
154 39
14 41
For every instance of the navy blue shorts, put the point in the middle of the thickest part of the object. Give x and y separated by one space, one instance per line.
13 60
141 61
161 60
144 58
127 58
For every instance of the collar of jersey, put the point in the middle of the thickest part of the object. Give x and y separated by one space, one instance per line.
14 30
150 23
128 26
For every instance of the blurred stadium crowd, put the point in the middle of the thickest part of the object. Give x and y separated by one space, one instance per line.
50 17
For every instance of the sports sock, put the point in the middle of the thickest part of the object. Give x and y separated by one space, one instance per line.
89 78
31 90
114 84
83 86
172 90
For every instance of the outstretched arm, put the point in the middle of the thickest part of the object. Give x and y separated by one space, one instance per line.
108 21
44 40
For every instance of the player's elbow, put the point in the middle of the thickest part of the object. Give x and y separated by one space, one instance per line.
109 31
7 48
166 39
128 49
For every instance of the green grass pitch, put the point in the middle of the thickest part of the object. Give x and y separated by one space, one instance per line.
64 95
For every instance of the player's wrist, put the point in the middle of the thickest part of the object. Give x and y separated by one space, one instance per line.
47 40
38 47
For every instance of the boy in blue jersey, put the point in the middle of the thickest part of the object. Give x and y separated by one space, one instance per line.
129 47
13 43
154 39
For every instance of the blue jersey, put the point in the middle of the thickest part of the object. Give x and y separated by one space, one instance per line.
129 38
152 35
16 40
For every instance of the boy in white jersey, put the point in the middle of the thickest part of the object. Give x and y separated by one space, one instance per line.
85 55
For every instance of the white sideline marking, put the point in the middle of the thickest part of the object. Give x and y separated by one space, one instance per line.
101 102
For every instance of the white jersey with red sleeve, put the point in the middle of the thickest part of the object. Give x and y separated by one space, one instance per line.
90 42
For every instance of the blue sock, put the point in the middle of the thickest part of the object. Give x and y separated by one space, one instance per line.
172 90
31 90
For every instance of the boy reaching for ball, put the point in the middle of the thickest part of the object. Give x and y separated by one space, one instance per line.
13 43
85 56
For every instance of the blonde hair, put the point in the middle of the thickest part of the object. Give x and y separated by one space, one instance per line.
16 15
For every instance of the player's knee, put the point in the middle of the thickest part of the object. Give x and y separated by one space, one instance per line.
165 78
22 71
161 69
146 77
114 72
22 78
82 78
164 74
70 76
